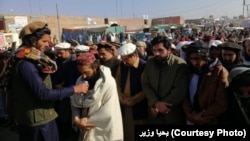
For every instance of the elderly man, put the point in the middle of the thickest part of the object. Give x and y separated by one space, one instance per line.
132 99
165 83
141 46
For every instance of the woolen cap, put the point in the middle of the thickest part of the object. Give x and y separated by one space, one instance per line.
31 28
237 71
116 44
231 46
106 45
127 49
197 47
63 45
140 44
73 42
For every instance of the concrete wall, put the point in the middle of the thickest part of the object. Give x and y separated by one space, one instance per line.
168 20
70 21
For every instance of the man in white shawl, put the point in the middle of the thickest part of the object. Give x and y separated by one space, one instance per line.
97 113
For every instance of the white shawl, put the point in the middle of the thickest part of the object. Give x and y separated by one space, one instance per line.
104 109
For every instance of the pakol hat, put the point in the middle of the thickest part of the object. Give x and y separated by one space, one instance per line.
31 28
106 45
81 48
116 44
231 46
73 42
198 47
237 70
63 45
141 44
127 49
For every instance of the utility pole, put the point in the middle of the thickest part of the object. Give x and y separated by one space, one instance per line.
31 13
133 8
244 3
58 24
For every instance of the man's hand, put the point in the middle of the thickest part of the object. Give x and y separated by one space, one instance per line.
199 119
126 101
153 111
81 88
163 107
83 125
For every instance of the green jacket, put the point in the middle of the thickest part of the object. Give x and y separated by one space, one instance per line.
26 108
167 82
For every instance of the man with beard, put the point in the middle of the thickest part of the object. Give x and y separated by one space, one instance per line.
207 97
96 114
230 54
165 83
132 99
31 97
239 97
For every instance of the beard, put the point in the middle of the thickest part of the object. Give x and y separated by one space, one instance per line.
91 80
160 60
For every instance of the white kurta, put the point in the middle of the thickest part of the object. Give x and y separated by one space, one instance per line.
104 109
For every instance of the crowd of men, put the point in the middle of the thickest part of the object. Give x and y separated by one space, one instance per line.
201 79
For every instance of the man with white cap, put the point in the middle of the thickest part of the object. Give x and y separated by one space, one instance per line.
132 99
165 83
74 73
80 49
214 50
62 78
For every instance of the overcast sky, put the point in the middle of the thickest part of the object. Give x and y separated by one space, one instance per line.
126 8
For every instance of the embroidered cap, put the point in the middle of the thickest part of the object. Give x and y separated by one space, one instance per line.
86 59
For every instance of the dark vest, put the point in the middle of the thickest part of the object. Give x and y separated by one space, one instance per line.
27 109
139 109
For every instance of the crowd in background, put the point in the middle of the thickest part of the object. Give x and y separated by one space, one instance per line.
101 91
